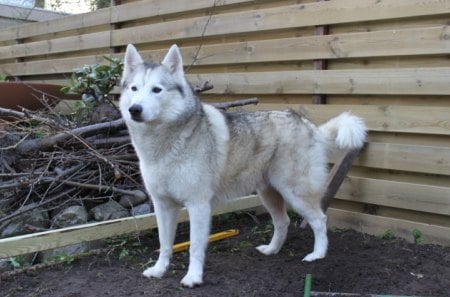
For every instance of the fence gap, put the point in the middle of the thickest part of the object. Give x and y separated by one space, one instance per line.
320 64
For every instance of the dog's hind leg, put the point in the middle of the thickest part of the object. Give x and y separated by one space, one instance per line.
166 217
276 206
309 208
318 222
200 221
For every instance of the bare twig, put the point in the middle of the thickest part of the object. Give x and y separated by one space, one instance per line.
47 143
227 105
24 115
197 52
100 188
203 88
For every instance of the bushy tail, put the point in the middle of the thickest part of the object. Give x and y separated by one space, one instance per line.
345 131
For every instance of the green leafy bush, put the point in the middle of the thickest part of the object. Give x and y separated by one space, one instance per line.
95 82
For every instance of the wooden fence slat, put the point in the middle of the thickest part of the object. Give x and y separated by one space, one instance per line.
405 119
300 15
71 22
151 8
406 42
59 45
404 195
414 158
35 242
377 225
405 81
285 17
120 13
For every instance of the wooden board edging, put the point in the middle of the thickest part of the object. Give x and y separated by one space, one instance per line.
24 244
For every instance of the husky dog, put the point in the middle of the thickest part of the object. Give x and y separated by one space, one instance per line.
193 155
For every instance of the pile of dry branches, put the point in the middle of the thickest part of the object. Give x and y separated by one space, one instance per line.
47 160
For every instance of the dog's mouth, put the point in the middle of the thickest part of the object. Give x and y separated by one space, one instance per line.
137 118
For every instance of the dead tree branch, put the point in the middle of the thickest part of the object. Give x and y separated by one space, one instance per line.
237 103
47 143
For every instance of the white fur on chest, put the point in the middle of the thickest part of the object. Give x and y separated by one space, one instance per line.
179 173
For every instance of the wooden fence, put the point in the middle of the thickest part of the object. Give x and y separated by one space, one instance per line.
387 61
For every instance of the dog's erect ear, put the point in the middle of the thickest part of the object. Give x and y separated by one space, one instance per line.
173 61
131 61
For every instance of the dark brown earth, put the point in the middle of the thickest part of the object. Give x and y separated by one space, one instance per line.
356 263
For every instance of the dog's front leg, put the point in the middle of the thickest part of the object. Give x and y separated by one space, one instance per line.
166 218
200 221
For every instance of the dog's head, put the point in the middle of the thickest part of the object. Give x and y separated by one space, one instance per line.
154 92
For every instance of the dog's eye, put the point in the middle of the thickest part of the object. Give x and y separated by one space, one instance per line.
156 90
134 88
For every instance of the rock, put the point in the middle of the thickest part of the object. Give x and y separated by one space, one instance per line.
140 209
5 265
36 218
73 215
64 253
109 211
104 112
129 201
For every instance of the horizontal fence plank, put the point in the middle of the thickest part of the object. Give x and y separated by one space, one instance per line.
71 22
57 65
391 118
407 42
60 45
405 157
404 195
35 242
377 225
278 18
408 81
146 9
284 17
115 14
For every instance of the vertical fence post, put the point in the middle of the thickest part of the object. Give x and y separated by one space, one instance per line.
320 64
19 59
114 49
114 26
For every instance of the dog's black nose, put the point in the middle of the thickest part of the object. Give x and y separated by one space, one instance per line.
135 110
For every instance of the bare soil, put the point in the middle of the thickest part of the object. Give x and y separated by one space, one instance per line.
356 263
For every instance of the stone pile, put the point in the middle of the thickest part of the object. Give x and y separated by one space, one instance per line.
38 219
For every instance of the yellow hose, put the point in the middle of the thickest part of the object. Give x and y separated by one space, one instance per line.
183 246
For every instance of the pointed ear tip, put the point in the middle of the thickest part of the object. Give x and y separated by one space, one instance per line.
174 47
130 46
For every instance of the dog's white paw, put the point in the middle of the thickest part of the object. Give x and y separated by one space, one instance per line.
191 280
155 271
266 249
313 256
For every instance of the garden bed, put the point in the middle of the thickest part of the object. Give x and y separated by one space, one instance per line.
356 263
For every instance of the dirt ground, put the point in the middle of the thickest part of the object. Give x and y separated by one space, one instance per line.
356 263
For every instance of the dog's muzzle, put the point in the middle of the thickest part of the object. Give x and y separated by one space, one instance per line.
136 112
